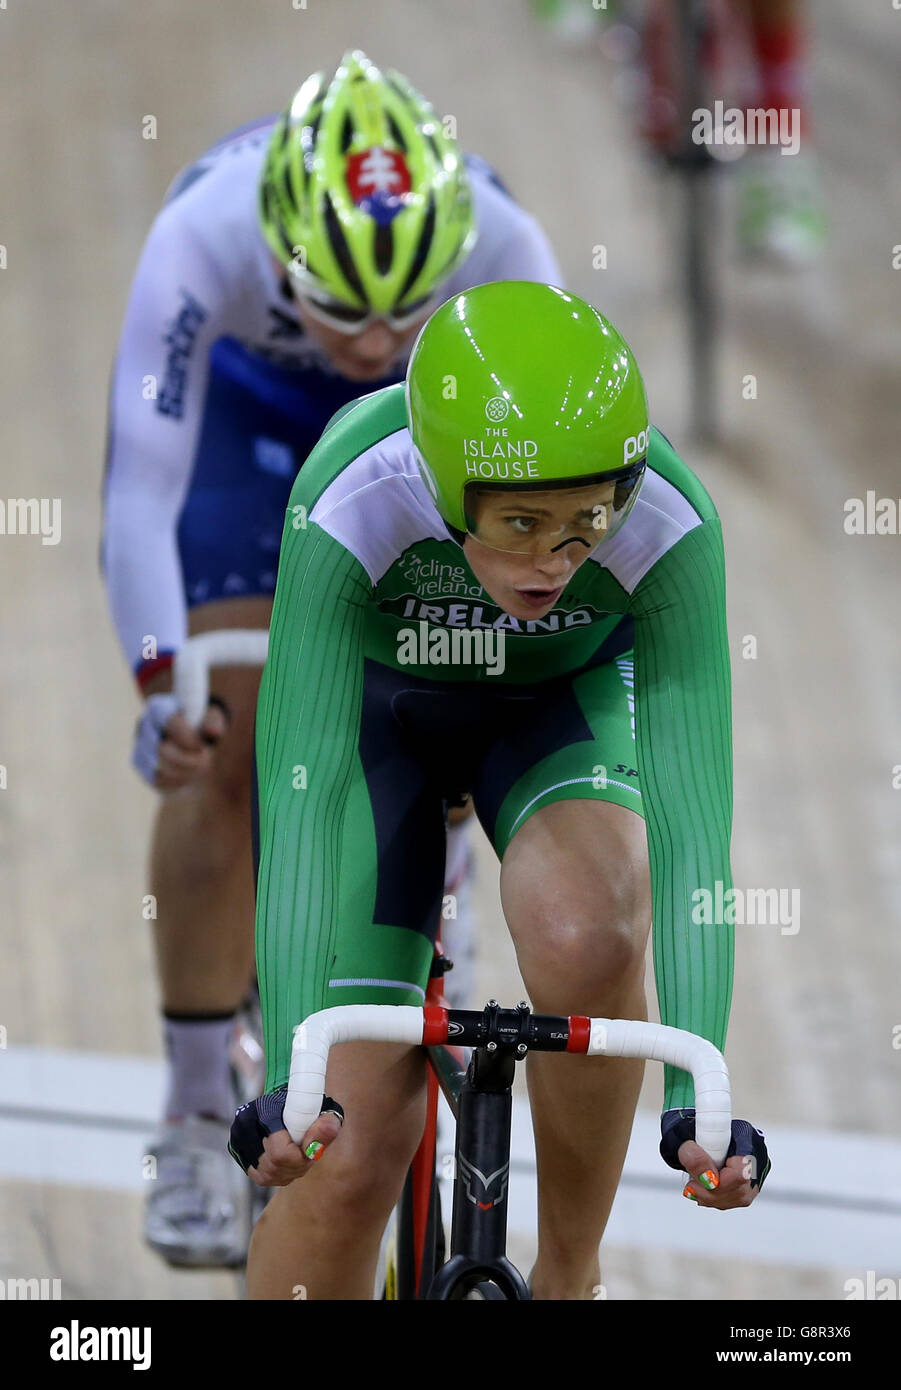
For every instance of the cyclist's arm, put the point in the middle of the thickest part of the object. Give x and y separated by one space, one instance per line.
156 397
308 720
511 245
684 749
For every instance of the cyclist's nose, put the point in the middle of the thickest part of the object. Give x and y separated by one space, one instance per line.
557 565
374 344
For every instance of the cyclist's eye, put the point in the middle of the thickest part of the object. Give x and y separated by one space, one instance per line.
409 311
345 312
521 524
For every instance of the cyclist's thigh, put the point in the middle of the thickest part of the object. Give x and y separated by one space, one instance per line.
575 888
578 744
392 863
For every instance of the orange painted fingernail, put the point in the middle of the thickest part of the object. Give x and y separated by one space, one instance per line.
709 1179
314 1150
687 1192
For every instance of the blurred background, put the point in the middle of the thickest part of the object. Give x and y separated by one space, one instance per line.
815 1039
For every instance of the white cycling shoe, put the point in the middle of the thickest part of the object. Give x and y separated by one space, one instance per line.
198 1209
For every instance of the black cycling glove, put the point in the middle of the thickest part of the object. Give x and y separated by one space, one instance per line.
263 1116
678 1125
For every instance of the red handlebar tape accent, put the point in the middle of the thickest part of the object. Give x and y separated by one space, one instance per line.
579 1033
434 1028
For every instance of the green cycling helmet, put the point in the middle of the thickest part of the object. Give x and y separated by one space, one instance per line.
363 197
524 387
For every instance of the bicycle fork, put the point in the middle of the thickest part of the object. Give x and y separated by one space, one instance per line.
481 1181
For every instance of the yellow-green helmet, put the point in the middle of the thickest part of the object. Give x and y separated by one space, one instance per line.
364 197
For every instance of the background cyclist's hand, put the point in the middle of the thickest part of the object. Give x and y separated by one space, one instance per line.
733 1181
168 753
261 1145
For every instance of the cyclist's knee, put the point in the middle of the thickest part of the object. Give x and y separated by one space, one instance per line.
202 835
582 956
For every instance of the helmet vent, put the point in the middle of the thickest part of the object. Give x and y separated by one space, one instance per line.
341 251
272 216
422 250
396 133
295 184
384 249
400 89
347 133
311 132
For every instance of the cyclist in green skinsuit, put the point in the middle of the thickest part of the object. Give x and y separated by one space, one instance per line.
514 491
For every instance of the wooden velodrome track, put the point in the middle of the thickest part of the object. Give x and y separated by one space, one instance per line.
817 715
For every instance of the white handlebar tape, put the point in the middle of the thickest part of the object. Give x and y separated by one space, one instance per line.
403 1023
191 667
619 1037
400 1023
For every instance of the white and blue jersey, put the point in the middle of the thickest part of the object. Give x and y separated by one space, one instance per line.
218 395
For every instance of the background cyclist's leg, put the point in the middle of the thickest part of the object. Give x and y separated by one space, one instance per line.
198 1212
576 894
202 878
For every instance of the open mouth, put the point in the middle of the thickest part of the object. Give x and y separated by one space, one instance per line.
540 598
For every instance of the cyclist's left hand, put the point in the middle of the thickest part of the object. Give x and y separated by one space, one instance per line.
737 1182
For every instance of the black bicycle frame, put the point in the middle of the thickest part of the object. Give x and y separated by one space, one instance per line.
482 1101
481 1182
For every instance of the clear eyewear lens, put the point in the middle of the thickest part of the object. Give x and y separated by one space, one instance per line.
345 318
607 505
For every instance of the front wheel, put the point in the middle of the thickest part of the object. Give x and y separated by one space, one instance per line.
485 1293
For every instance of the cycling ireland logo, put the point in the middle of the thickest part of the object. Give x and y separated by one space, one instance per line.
497 409
378 181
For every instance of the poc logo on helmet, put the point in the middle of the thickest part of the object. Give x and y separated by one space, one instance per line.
636 445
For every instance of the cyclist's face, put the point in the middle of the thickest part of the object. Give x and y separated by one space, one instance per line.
528 586
364 356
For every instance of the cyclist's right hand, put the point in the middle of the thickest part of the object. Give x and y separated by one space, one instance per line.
262 1146
168 753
